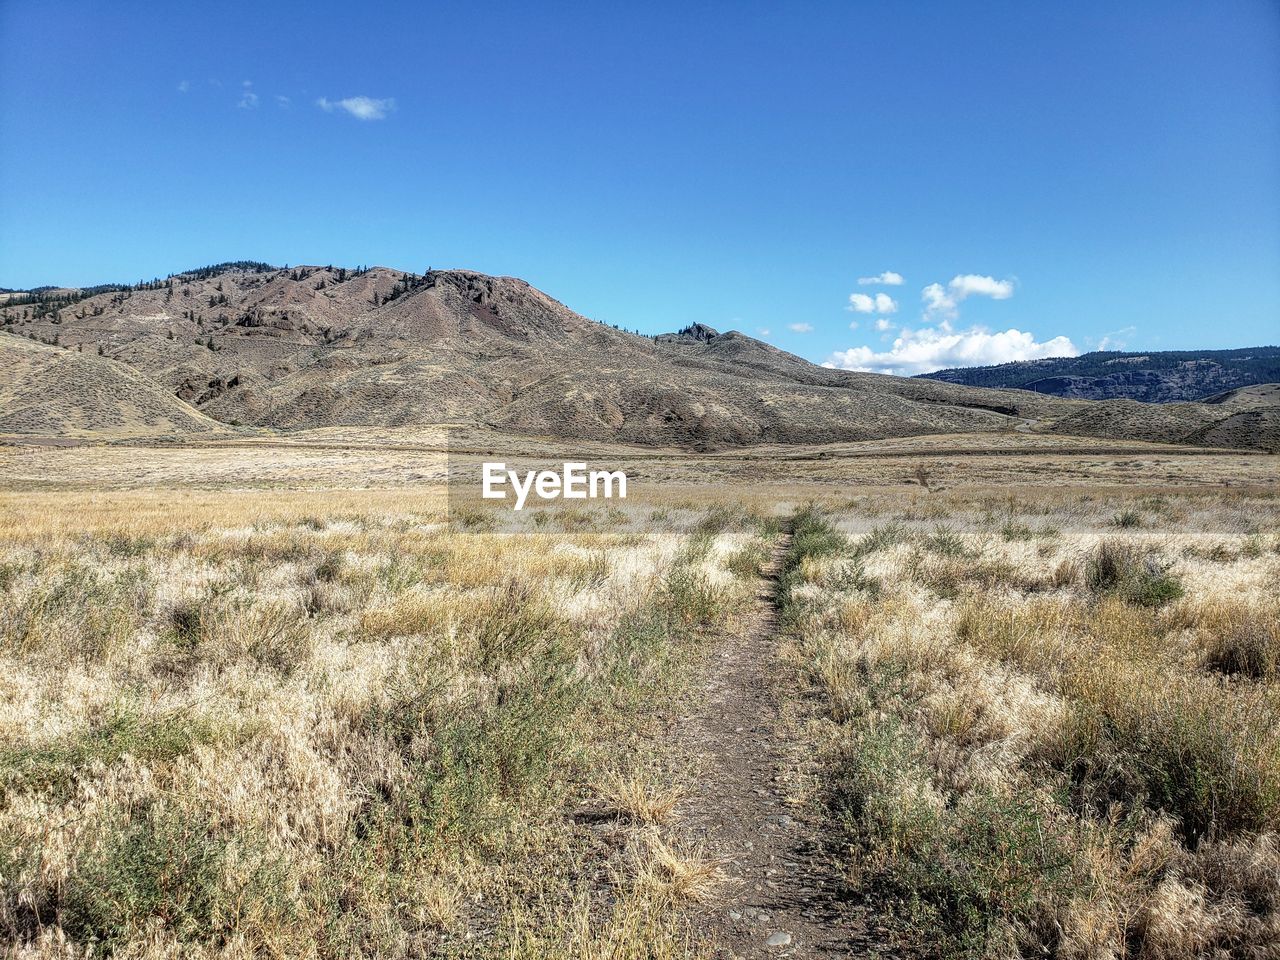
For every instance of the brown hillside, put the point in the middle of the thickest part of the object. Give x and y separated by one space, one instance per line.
321 346
53 392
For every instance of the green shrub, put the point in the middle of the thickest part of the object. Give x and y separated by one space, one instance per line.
719 519
76 612
1014 531
978 874
1151 588
515 623
692 600
1116 567
1127 519
990 880
171 866
1201 758
467 758
128 729
882 538
746 563
636 648
813 537
945 542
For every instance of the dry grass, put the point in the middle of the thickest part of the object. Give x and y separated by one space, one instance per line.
637 798
328 722
676 874
1056 732
259 726
1240 636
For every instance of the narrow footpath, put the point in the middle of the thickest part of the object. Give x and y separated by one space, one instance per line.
784 898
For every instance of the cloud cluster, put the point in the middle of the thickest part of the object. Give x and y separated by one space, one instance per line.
864 303
939 345
800 327
362 108
936 348
888 279
941 302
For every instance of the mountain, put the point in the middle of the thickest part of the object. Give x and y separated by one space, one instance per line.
249 344
1165 376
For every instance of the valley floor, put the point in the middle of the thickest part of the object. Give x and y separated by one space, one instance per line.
390 458
892 699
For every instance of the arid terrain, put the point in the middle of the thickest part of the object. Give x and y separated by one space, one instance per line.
1055 718
861 666
253 346
667 481
952 695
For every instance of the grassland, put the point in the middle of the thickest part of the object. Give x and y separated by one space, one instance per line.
269 699
350 459
277 726
1052 722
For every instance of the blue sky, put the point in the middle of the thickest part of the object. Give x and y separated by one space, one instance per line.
1067 175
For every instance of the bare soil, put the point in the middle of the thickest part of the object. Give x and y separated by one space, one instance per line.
743 803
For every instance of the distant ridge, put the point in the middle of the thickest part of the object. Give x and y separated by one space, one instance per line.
1165 376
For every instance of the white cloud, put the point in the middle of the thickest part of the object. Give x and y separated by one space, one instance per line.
282 101
853 324
923 351
764 332
1117 339
970 284
800 327
882 324
362 108
864 303
248 99
184 86
942 302
888 279
937 302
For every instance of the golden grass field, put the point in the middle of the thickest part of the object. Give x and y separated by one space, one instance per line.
277 726
270 700
1053 723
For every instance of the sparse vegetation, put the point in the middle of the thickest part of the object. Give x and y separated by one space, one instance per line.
1058 761
350 726
347 734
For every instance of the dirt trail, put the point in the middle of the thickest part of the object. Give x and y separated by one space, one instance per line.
785 899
